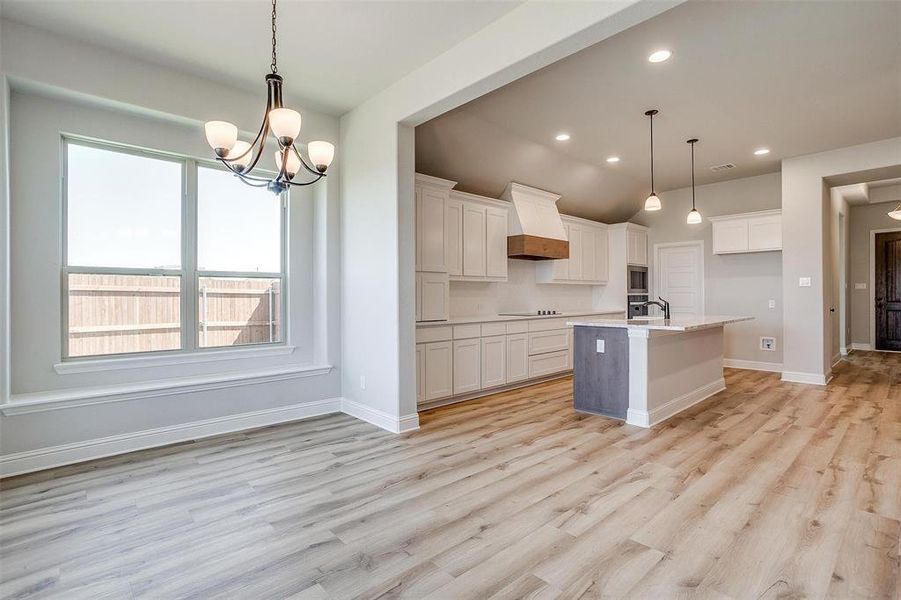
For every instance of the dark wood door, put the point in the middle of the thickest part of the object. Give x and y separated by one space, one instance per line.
888 291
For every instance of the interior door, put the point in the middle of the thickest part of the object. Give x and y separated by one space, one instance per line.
888 291
680 278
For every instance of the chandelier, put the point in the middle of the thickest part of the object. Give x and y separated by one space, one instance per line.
241 157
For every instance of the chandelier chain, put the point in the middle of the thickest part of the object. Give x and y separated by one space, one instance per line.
273 67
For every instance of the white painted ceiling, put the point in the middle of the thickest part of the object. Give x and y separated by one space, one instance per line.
795 77
332 54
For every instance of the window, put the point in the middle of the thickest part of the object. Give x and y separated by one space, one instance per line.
165 254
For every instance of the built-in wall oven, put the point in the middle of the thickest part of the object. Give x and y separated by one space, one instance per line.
637 280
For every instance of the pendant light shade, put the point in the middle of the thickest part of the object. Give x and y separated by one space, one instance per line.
896 214
694 217
653 202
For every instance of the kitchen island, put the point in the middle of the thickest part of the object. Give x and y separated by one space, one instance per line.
647 370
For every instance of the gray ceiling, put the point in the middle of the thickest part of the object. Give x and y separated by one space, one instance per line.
796 77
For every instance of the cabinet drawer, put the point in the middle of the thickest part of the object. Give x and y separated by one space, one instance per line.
542 342
547 324
489 329
462 332
546 364
433 334
518 327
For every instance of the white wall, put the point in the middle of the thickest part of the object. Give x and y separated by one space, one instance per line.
65 86
805 251
737 284
377 280
519 293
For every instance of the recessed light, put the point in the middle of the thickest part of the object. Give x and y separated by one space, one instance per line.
562 137
659 56
613 159
761 151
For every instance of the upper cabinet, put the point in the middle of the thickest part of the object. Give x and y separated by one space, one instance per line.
476 233
748 232
637 246
588 261
432 195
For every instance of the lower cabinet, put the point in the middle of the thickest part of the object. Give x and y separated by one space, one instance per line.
467 365
420 373
494 361
437 370
547 364
517 357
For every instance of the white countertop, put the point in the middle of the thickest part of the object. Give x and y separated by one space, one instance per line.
496 318
677 323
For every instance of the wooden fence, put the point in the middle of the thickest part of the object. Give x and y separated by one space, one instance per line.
112 314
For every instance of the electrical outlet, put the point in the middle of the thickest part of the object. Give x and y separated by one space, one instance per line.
600 346
362 382
772 303
768 344
804 282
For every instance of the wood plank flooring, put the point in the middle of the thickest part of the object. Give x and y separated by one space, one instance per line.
767 490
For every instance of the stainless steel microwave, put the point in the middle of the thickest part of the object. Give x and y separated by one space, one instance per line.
638 280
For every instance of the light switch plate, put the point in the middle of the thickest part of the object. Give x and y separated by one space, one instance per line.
860 286
600 346
772 304
804 282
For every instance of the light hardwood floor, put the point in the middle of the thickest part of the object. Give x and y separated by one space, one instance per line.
767 490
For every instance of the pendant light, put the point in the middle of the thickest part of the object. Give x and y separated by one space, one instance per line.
694 217
653 202
896 214
241 157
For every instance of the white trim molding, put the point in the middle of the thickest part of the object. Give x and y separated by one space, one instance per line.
861 346
808 378
57 456
380 418
752 365
58 399
643 418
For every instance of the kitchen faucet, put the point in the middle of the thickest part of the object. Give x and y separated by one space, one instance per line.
662 304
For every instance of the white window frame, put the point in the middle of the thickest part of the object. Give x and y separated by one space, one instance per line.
190 326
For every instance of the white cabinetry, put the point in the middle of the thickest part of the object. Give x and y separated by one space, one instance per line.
437 370
432 296
454 237
638 246
494 361
477 238
748 232
432 195
467 365
420 373
517 357
588 255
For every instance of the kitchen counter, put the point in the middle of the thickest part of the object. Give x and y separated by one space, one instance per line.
645 371
677 323
504 318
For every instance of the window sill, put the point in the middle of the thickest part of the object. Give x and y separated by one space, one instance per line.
93 365
19 404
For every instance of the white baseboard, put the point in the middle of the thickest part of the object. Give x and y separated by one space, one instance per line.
844 350
380 418
57 456
809 378
836 359
864 347
644 418
752 365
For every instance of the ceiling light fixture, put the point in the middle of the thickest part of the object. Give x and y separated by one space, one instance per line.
659 56
612 159
653 202
562 137
241 157
896 214
694 217
761 151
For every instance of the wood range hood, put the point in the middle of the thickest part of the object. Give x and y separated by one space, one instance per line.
535 231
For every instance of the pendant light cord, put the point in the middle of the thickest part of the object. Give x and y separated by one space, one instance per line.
653 189
273 66
692 176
